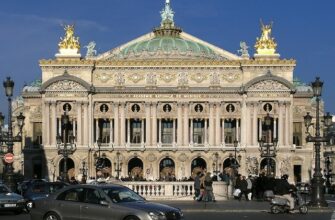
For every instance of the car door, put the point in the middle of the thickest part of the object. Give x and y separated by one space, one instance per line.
92 209
68 203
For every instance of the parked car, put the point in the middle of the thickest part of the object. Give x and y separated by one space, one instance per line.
40 190
23 186
10 201
96 202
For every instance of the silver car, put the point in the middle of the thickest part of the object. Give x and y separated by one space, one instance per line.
97 202
10 201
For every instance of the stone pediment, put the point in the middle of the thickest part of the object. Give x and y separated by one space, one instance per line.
66 85
268 85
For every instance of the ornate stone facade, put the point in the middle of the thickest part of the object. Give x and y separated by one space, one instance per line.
182 112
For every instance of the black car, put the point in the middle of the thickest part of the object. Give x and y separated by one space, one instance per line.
40 190
10 201
98 202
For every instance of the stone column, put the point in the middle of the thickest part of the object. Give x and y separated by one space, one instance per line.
223 133
287 123
86 127
274 127
111 130
147 124
116 124
59 126
186 124
255 117
97 133
280 125
260 128
174 131
79 124
217 125
74 127
180 124
237 130
154 123
53 123
160 131
206 141
211 124
128 131
191 132
142 131
122 124
46 124
244 121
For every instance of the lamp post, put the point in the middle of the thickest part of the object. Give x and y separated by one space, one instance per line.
98 160
65 144
268 147
8 138
317 192
216 164
118 165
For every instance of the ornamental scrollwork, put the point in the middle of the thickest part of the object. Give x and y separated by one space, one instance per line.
214 79
151 79
230 77
182 157
103 77
135 77
182 79
167 77
285 165
119 79
198 77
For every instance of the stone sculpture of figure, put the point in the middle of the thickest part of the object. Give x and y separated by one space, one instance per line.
69 41
266 32
91 52
244 49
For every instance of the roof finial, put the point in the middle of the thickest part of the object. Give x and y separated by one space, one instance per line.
167 14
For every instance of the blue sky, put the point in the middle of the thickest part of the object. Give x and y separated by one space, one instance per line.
303 29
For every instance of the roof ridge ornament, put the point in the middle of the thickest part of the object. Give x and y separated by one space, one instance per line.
167 27
266 45
69 45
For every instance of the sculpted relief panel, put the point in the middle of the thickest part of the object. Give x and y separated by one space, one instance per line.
268 85
66 85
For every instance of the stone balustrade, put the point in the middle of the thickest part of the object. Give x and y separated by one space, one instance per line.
175 190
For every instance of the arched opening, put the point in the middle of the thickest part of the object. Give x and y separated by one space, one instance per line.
70 171
198 165
167 170
104 167
135 169
271 165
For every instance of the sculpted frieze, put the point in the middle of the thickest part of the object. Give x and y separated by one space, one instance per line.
135 77
268 85
151 79
65 85
119 79
182 79
167 77
214 79
65 95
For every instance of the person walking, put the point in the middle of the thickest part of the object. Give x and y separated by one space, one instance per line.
249 187
244 188
209 196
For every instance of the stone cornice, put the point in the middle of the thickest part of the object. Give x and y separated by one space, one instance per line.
164 63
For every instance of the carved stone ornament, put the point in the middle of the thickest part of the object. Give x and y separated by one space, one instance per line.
252 165
151 157
268 85
214 80
198 77
230 77
167 77
151 79
65 85
135 77
103 77
285 165
182 157
119 79
182 79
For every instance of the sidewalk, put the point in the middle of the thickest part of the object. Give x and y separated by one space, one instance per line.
229 206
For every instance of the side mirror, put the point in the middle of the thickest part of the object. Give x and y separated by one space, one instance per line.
104 203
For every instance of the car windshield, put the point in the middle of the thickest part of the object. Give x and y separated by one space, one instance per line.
3 189
120 195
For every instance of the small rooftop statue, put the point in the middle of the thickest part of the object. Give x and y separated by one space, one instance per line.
244 50
91 52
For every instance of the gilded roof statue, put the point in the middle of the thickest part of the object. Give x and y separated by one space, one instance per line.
69 41
266 45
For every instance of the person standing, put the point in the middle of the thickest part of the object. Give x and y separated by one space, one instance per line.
249 187
244 188
209 196
197 186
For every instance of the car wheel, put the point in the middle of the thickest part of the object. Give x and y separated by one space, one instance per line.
275 209
51 216
29 206
131 218
303 209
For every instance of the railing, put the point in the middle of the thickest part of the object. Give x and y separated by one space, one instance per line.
175 190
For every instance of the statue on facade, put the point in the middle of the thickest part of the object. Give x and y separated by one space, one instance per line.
244 49
91 52
266 44
69 41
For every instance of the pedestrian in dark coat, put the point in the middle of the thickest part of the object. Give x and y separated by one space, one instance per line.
197 186
244 188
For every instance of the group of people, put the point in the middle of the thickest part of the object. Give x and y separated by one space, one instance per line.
243 186
203 187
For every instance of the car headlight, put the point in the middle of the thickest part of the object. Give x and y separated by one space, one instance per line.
157 216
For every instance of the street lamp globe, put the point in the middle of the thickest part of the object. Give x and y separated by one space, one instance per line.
328 119
308 120
20 120
9 87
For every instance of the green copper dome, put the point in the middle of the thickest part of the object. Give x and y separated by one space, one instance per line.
170 47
